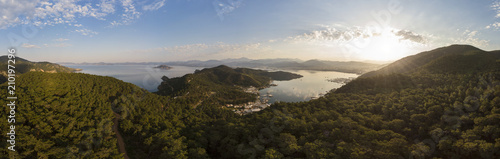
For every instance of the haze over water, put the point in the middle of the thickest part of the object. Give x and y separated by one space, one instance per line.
144 76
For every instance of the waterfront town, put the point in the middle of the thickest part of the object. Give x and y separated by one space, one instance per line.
250 107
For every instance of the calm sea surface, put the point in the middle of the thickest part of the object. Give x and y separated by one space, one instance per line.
144 76
313 84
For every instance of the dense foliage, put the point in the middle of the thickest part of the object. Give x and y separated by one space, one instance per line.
221 84
61 115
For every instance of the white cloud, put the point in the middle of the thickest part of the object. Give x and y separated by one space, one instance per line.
129 14
334 35
61 39
496 7
495 25
225 7
26 45
154 6
408 35
470 37
45 12
339 35
48 12
86 32
66 11
11 11
107 6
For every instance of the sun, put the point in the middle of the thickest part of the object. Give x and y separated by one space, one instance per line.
384 47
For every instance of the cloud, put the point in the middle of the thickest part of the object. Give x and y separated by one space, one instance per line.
496 7
154 6
44 12
339 35
495 25
66 12
61 39
86 32
408 35
26 45
69 12
335 35
107 6
332 35
129 14
469 37
225 7
11 11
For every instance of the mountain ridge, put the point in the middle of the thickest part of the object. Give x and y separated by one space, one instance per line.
453 60
23 66
424 60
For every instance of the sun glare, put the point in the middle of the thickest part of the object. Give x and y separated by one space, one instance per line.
384 47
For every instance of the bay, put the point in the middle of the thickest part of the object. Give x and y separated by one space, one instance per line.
312 85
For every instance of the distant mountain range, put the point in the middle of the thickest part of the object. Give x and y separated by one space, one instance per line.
279 63
286 64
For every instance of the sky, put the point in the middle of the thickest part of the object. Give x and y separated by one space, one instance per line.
180 30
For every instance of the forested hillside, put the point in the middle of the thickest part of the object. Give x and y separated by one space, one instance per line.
451 59
436 109
69 115
23 66
220 85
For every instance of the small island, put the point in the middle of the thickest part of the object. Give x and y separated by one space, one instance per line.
164 67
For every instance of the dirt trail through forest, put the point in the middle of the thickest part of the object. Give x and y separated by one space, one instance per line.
121 144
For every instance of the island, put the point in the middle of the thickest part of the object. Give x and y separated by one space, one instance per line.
164 67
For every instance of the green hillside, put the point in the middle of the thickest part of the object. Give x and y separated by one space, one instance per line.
220 85
451 59
426 69
24 66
